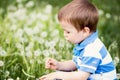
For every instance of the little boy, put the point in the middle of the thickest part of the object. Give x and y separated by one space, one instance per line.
79 21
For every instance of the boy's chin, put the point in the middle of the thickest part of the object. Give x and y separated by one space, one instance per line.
72 42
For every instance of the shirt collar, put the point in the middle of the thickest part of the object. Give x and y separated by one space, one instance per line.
88 40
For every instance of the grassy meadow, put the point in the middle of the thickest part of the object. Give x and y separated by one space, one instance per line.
28 35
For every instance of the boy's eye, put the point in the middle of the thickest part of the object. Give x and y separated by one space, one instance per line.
68 32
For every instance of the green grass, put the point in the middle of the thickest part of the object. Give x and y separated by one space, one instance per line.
28 35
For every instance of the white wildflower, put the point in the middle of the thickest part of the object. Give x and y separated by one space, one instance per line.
12 8
44 17
7 41
1 63
41 40
29 31
36 30
39 61
29 54
17 78
48 9
13 27
44 34
108 15
51 44
19 1
20 5
116 60
10 79
19 46
37 53
100 12
39 15
31 61
52 51
29 47
3 53
46 53
55 33
61 43
20 14
40 25
30 4
33 17
19 33
22 52
69 45
7 73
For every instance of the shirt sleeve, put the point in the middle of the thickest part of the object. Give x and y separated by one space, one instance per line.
88 64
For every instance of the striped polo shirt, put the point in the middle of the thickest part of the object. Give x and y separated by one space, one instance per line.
91 56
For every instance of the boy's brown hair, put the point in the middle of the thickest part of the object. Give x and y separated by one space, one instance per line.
80 13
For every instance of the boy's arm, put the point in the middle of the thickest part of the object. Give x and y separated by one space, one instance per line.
66 65
80 75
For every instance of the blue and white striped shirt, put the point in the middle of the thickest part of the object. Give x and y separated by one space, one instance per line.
91 56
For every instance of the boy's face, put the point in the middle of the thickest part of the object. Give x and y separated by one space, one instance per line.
71 34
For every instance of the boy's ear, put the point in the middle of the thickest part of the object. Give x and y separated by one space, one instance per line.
86 30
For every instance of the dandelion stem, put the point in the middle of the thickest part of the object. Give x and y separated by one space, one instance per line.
27 74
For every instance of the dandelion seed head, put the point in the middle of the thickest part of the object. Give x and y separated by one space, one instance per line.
37 53
108 15
39 62
46 53
31 61
44 17
44 34
19 1
30 4
3 53
1 63
19 46
55 33
116 60
29 54
100 12
17 78
12 8
29 31
52 51
41 40
48 9
19 33
10 79
7 73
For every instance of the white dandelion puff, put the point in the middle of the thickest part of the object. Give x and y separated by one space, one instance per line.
29 54
100 12
116 60
108 15
10 79
37 53
1 63
44 34
17 78
3 53
30 4
48 9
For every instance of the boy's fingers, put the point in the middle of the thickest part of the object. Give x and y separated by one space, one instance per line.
47 63
42 78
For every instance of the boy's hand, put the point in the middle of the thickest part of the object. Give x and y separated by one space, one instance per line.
51 76
51 64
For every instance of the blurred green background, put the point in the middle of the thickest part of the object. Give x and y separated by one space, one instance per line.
108 26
